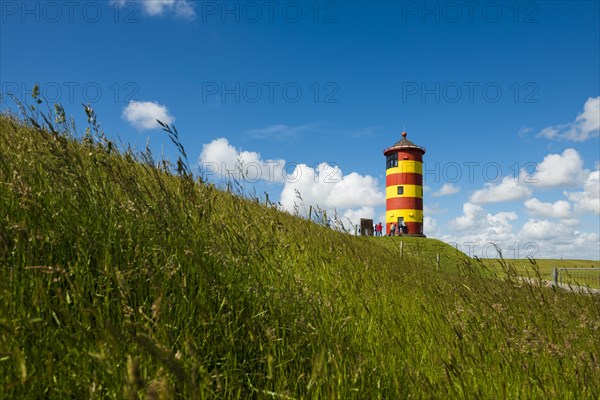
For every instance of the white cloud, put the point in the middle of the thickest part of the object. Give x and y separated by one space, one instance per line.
156 7
219 158
509 189
381 217
585 126
476 232
365 132
559 209
279 132
498 224
555 240
143 114
542 230
554 230
588 200
471 214
348 197
555 170
446 190
430 227
523 132
185 9
327 187
433 209
354 215
475 219
573 222
478 229
180 8
558 170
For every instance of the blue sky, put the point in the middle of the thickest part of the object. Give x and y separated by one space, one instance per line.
504 96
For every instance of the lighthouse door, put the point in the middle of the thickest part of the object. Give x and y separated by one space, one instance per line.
403 229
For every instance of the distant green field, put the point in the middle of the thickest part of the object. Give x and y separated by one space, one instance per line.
426 250
543 268
124 278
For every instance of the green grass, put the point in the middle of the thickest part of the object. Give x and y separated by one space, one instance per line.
120 279
424 251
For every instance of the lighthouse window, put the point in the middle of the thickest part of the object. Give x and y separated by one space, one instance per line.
400 189
391 161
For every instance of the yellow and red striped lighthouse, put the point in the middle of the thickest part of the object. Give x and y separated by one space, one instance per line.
404 186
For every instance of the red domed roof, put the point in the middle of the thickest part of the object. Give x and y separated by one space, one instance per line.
404 144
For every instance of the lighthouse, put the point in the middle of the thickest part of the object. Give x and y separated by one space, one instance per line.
404 186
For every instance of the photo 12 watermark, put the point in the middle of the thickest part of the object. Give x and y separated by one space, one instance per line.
254 12
270 92
88 92
54 12
473 171
274 171
469 92
515 250
470 12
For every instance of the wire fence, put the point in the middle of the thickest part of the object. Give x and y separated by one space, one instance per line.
589 277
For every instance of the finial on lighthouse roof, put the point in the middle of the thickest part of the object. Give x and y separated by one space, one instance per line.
404 134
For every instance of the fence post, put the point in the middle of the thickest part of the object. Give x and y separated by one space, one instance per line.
437 260
401 249
555 276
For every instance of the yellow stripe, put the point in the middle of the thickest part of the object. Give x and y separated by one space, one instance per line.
409 216
409 191
406 166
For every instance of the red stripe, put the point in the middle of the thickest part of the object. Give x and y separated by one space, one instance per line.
414 154
400 178
404 203
410 155
413 227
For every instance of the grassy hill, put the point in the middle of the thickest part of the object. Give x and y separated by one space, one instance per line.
121 279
